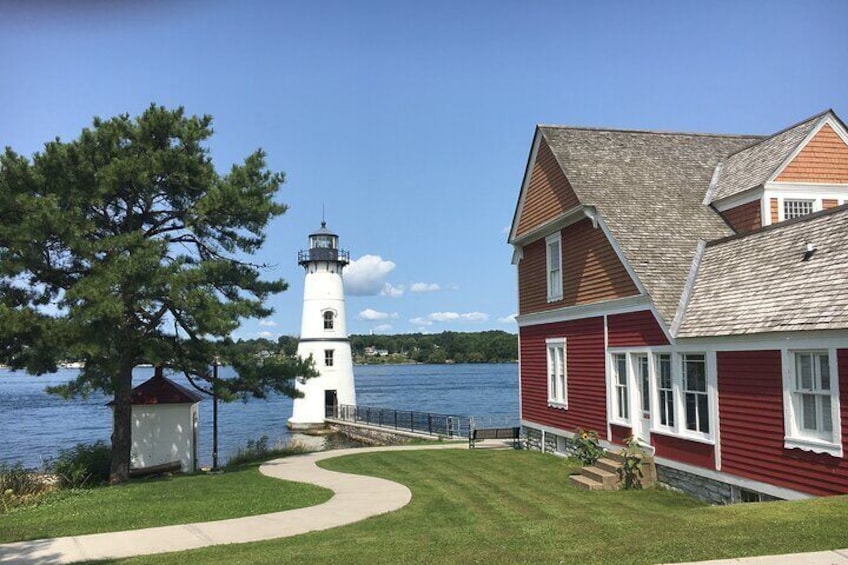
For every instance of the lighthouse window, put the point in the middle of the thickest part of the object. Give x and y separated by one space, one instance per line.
328 357
328 320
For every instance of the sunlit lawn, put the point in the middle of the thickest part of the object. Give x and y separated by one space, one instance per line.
487 506
158 502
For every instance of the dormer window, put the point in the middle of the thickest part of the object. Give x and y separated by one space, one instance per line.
797 208
329 319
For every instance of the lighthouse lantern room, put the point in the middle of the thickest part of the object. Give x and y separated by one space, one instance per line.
323 333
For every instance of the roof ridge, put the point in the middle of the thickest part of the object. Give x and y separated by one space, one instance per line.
656 132
779 225
784 130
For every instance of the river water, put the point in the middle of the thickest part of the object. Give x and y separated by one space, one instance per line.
35 425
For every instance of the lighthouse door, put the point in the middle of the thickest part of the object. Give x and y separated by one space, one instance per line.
331 403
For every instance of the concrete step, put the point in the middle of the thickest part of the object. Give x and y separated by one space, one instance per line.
606 478
614 456
585 483
607 464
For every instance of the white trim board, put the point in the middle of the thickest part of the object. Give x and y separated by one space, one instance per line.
593 310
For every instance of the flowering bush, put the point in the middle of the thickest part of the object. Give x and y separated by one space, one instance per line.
585 447
630 472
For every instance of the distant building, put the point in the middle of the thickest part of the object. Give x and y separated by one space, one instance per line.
692 291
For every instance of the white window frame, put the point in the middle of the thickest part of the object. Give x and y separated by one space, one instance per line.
553 276
685 391
815 206
661 399
620 391
557 375
794 436
329 357
793 191
331 319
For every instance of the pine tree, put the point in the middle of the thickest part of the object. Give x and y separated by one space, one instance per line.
125 246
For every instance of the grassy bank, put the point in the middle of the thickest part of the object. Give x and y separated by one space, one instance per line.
158 502
516 507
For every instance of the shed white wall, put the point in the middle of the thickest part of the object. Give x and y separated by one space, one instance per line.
162 433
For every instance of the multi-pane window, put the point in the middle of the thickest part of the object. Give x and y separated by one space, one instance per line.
328 357
557 381
329 319
695 393
812 394
554 266
797 208
666 392
645 384
621 400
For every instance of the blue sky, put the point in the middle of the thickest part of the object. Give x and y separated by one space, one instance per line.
411 122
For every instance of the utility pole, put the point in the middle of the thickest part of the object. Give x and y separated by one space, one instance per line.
215 363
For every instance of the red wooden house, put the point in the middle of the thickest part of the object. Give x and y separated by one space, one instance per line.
691 290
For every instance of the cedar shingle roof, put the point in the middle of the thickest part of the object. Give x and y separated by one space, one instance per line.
649 189
752 166
760 283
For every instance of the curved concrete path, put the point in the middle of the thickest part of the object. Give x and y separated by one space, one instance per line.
356 498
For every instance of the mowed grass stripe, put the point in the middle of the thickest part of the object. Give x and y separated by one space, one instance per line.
447 522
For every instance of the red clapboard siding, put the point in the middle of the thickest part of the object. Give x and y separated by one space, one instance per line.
634 329
585 371
618 434
683 450
750 385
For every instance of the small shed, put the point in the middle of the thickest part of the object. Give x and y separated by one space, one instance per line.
164 424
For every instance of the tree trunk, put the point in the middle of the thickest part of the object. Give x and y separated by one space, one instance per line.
119 471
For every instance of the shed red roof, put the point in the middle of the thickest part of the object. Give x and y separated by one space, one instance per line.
161 390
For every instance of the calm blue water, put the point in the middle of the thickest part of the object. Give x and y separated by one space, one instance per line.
35 425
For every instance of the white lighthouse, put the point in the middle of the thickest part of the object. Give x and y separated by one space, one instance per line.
323 333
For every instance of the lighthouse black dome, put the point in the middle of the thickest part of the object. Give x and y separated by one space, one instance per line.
323 246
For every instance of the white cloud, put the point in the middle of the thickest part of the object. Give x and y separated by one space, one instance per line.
391 290
424 287
383 328
268 335
507 319
449 317
443 316
372 315
268 323
366 276
475 317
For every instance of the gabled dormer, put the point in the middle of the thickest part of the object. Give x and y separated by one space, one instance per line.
795 172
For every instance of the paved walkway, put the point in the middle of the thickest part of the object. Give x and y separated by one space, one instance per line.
356 498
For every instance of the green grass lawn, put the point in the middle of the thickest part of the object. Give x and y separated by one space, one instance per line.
486 506
158 502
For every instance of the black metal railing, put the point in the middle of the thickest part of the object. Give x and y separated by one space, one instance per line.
406 420
323 254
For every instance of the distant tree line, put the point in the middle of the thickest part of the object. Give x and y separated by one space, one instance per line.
447 347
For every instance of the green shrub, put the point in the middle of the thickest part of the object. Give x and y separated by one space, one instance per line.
20 486
84 465
584 446
259 450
